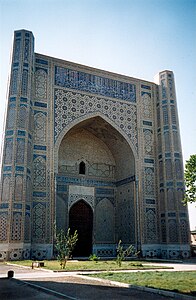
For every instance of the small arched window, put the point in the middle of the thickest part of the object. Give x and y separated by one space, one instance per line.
82 168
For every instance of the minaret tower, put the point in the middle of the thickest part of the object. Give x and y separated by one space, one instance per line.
174 222
15 198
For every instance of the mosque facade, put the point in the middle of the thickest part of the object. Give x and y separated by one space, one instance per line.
90 150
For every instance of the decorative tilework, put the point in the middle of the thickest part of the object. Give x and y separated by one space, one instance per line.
6 188
184 229
125 181
17 50
167 141
40 127
8 151
165 115
20 150
94 84
168 168
146 87
21 132
176 141
18 188
151 235
40 104
7 168
178 169
24 82
101 170
126 215
173 232
147 123
105 191
73 198
3 226
149 160
4 205
14 85
39 179
27 228
158 117
147 105
173 114
104 219
39 147
16 226
23 99
70 106
149 181
150 201
41 61
163 88
148 141
41 84
11 117
171 199
39 222
163 231
12 99
26 49
22 116
84 181
19 168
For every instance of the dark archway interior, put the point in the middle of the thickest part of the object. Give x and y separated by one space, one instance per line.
81 219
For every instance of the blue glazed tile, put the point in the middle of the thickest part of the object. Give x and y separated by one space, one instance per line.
19 168
21 132
40 104
147 87
39 194
94 84
39 147
41 61
148 123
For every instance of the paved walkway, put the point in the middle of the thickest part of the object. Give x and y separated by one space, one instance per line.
42 284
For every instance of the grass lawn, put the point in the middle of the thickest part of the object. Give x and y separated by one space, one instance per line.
109 265
183 282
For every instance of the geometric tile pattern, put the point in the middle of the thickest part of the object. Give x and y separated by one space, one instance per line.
71 105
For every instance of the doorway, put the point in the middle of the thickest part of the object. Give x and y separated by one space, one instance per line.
81 219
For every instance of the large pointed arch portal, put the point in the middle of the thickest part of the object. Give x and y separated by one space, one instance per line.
81 219
95 188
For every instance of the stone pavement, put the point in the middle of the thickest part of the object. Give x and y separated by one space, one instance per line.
41 284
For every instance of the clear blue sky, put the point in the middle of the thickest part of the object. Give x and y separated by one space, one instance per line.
138 38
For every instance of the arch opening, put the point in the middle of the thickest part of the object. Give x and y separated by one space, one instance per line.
96 150
81 219
82 168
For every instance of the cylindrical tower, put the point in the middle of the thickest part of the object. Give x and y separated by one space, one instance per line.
173 214
15 201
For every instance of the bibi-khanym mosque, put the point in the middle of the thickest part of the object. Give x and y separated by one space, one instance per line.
94 151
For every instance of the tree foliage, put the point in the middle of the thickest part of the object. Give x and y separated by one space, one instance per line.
190 179
122 254
65 244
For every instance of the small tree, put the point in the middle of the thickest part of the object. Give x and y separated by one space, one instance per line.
121 254
190 179
65 244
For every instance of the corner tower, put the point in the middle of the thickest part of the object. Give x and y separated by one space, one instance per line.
15 206
174 222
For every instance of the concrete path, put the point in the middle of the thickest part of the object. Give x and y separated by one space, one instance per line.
41 284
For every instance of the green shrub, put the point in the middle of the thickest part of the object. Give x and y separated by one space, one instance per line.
94 257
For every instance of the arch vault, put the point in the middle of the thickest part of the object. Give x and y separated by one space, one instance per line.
96 170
